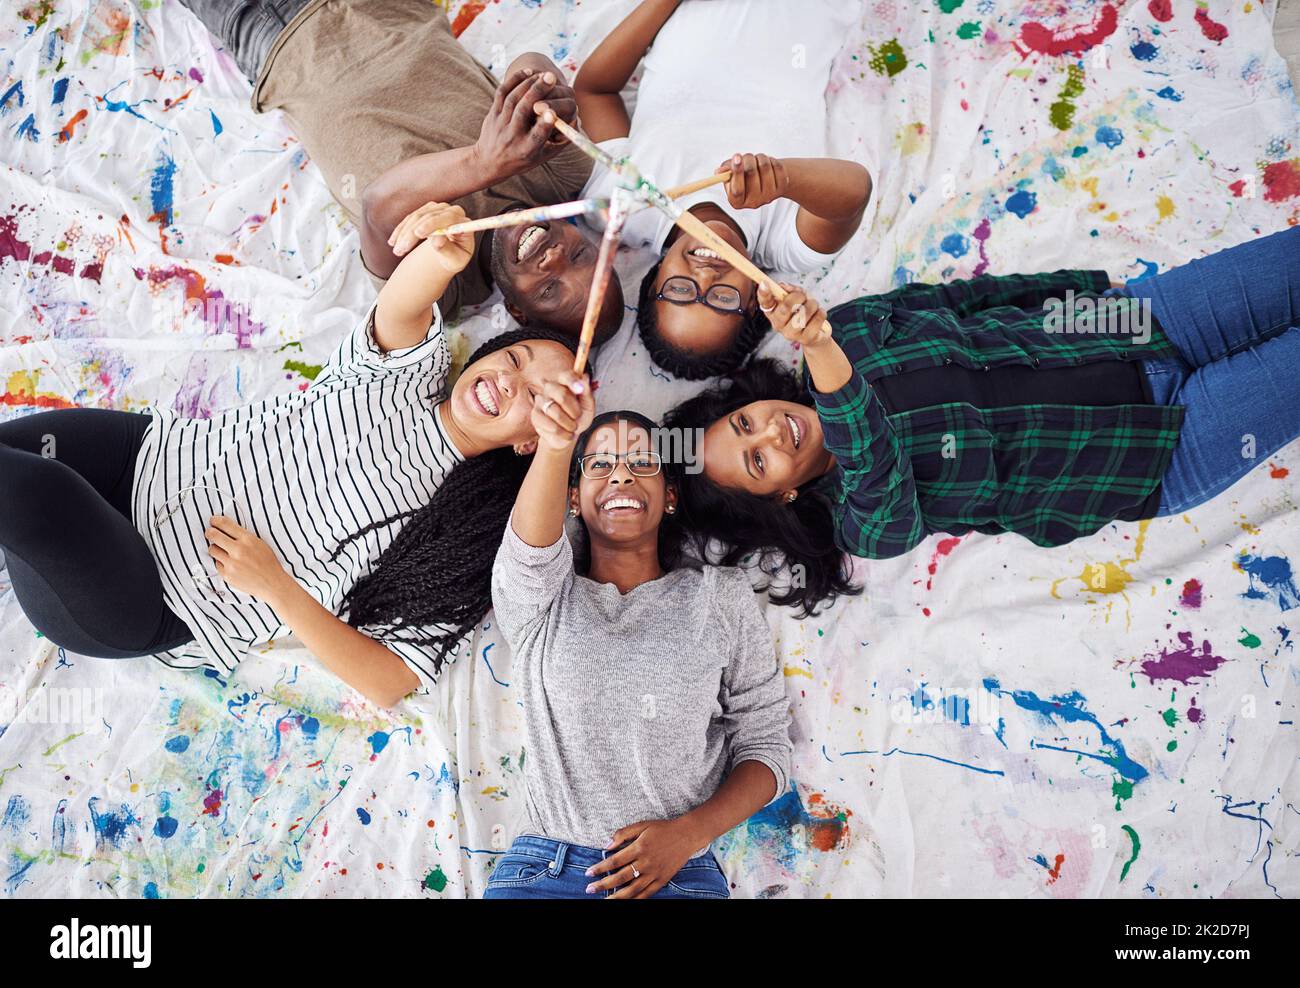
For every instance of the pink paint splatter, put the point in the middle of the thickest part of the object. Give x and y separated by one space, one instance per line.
1040 38
982 233
1191 597
1161 10
212 802
1194 713
1183 664
222 317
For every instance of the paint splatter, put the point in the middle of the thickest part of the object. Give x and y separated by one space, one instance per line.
1282 180
1182 664
1137 848
1144 51
943 549
969 30
1270 579
1062 111
65 134
1040 38
955 245
1212 29
1161 10
1022 203
889 59
1110 136
1191 597
435 880
466 16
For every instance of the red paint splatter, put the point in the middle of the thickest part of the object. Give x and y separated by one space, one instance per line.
10 245
222 317
1040 38
1161 10
1212 29
94 271
1238 188
65 134
466 16
1279 473
944 548
1191 597
1282 180
1055 872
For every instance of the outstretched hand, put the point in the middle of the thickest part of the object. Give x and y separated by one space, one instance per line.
452 253
563 411
514 137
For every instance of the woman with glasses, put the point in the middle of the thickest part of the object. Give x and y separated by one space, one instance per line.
378 492
1044 405
655 711
720 77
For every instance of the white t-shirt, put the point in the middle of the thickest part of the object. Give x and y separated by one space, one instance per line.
726 77
304 471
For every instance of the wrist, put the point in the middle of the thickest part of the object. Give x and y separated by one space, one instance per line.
282 594
695 831
485 166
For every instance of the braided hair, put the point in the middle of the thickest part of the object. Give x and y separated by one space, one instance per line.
672 538
687 364
434 580
798 533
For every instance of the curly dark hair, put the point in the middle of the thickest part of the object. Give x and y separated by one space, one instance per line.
434 581
672 537
686 364
798 533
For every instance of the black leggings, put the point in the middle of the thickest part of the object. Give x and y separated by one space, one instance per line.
81 572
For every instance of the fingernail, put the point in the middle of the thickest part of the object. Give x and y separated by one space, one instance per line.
591 888
588 872
548 78
576 387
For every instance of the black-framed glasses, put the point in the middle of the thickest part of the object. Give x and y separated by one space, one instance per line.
641 463
681 290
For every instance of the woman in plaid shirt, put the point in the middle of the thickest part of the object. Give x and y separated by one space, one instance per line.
1047 405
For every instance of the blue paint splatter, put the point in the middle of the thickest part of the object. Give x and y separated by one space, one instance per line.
110 826
1149 270
1171 94
28 129
378 742
161 192
1022 203
1052 169
1069 708
217 128
60 90
178 745
15 90
1270 579
1144 51
955 244
1110 136
17 813
1079 151
164 827
151 890
310 727
363 816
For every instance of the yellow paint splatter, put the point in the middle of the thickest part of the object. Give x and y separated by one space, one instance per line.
1165 206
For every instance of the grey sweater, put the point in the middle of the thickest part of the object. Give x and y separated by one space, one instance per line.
635 706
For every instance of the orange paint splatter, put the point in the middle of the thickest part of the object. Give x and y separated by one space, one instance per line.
466 16
65 134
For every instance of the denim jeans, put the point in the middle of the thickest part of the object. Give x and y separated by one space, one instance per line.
1234 318
541 868
246 28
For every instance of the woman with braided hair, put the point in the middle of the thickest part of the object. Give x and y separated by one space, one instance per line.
361 514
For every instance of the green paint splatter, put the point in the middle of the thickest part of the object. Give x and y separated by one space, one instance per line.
1121 789
1170 716
948 6
59 744
309 371
1062 111
1250 641
970 29
1137 847
435 880
889 59
1171 746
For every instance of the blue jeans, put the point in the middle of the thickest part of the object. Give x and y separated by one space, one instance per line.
1234 318
541 868
247 28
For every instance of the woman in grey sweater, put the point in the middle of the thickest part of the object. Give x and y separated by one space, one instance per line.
655 711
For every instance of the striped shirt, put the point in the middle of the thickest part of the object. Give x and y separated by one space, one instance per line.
304 471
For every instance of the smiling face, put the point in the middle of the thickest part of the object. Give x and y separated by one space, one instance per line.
766 448
545 270
695 327
622 509
492 400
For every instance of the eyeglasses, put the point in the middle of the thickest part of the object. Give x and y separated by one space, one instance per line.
598 466
681 290
207 582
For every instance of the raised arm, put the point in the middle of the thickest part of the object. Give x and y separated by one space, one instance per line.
599 83
513 139
832 193
560 413
404 311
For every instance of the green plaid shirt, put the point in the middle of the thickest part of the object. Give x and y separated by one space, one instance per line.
1051 473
